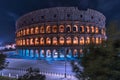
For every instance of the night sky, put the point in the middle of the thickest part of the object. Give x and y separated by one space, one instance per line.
11 10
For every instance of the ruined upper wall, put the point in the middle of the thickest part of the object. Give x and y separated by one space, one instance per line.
58 14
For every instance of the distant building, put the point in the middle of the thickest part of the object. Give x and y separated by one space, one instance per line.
8 46
59 32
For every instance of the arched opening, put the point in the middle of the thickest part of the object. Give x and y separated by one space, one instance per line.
93 29
75 40
48 53
32 30
82 29
48 41
24 53
68 28
55 41
55 53
42 53
93 40
87 29
87 40
36 53
27 41
68 40
31 41
36 41
27 52
75 53
54 29
75 28
23 42
48 29
42 30
68 53
81 52
42 41
31 53
27 31
21 33
24 32
96 30
36 30
61 28
82 41
97 40
100 40
61 40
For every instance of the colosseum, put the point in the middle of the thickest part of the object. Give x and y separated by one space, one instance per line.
59 32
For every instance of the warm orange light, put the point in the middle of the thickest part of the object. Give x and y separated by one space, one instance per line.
42 30
75 40
61 41
31 42
48 30
82 41
54 41
97 40
36 30
36 41
42 41
48 41
87 40
54 29
32 30
88 29
93 29
61 28
96 30
68 40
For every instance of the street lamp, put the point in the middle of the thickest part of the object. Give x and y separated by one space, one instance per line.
65 62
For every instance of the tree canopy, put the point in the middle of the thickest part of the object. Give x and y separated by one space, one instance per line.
102 62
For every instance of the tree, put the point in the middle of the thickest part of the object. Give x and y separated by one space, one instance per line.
102 62
32 74
2 60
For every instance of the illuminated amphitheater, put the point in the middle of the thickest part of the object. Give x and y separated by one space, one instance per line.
58 32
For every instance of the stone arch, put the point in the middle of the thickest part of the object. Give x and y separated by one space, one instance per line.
87 40
48 53
75 52
82 41
48 41
27 52
68 53
31 53
75 40
68 40
61 28
42 53
48 29
55 53
68 28
54 29
75 28
42 41
54 40
36 53
42 29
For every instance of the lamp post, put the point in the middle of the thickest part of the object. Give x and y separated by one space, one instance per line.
66 52
65 65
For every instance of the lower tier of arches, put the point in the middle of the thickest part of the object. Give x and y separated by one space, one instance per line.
51 53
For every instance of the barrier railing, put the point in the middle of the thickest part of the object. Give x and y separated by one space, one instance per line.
23 71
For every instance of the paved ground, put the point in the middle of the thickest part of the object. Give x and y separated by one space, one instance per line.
54 70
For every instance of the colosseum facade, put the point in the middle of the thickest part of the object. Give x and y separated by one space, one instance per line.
58 32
